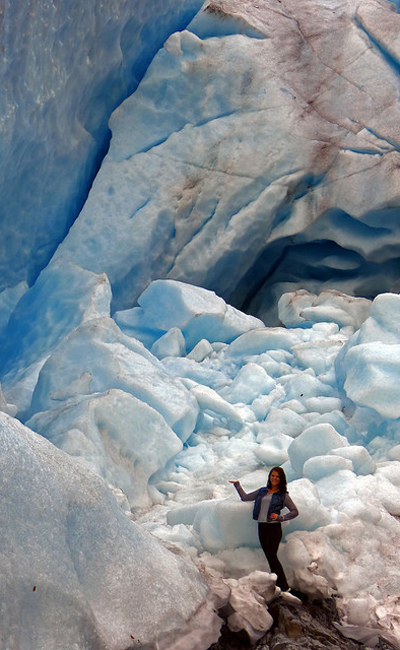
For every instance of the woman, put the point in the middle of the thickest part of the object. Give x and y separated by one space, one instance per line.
269 502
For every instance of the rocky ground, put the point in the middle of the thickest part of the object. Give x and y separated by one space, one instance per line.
309 626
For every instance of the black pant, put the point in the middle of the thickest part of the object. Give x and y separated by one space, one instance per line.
270 535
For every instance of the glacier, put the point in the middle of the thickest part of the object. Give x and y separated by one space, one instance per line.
197 286
164 435
64 68
71 559
263 183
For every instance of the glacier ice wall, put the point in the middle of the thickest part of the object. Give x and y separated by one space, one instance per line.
64 67
259 154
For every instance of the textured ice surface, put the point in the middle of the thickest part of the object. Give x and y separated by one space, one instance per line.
281 174
166 304
8 300
167 433
115 434
76 572
315 440
337 456
301 307
113 360
371 359
65 66
62 297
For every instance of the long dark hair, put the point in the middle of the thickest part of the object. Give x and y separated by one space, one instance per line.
282 477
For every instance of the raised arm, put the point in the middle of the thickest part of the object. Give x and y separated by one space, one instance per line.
244 495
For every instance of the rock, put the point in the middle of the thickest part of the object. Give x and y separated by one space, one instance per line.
309 626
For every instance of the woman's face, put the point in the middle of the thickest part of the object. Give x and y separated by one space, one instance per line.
275 479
